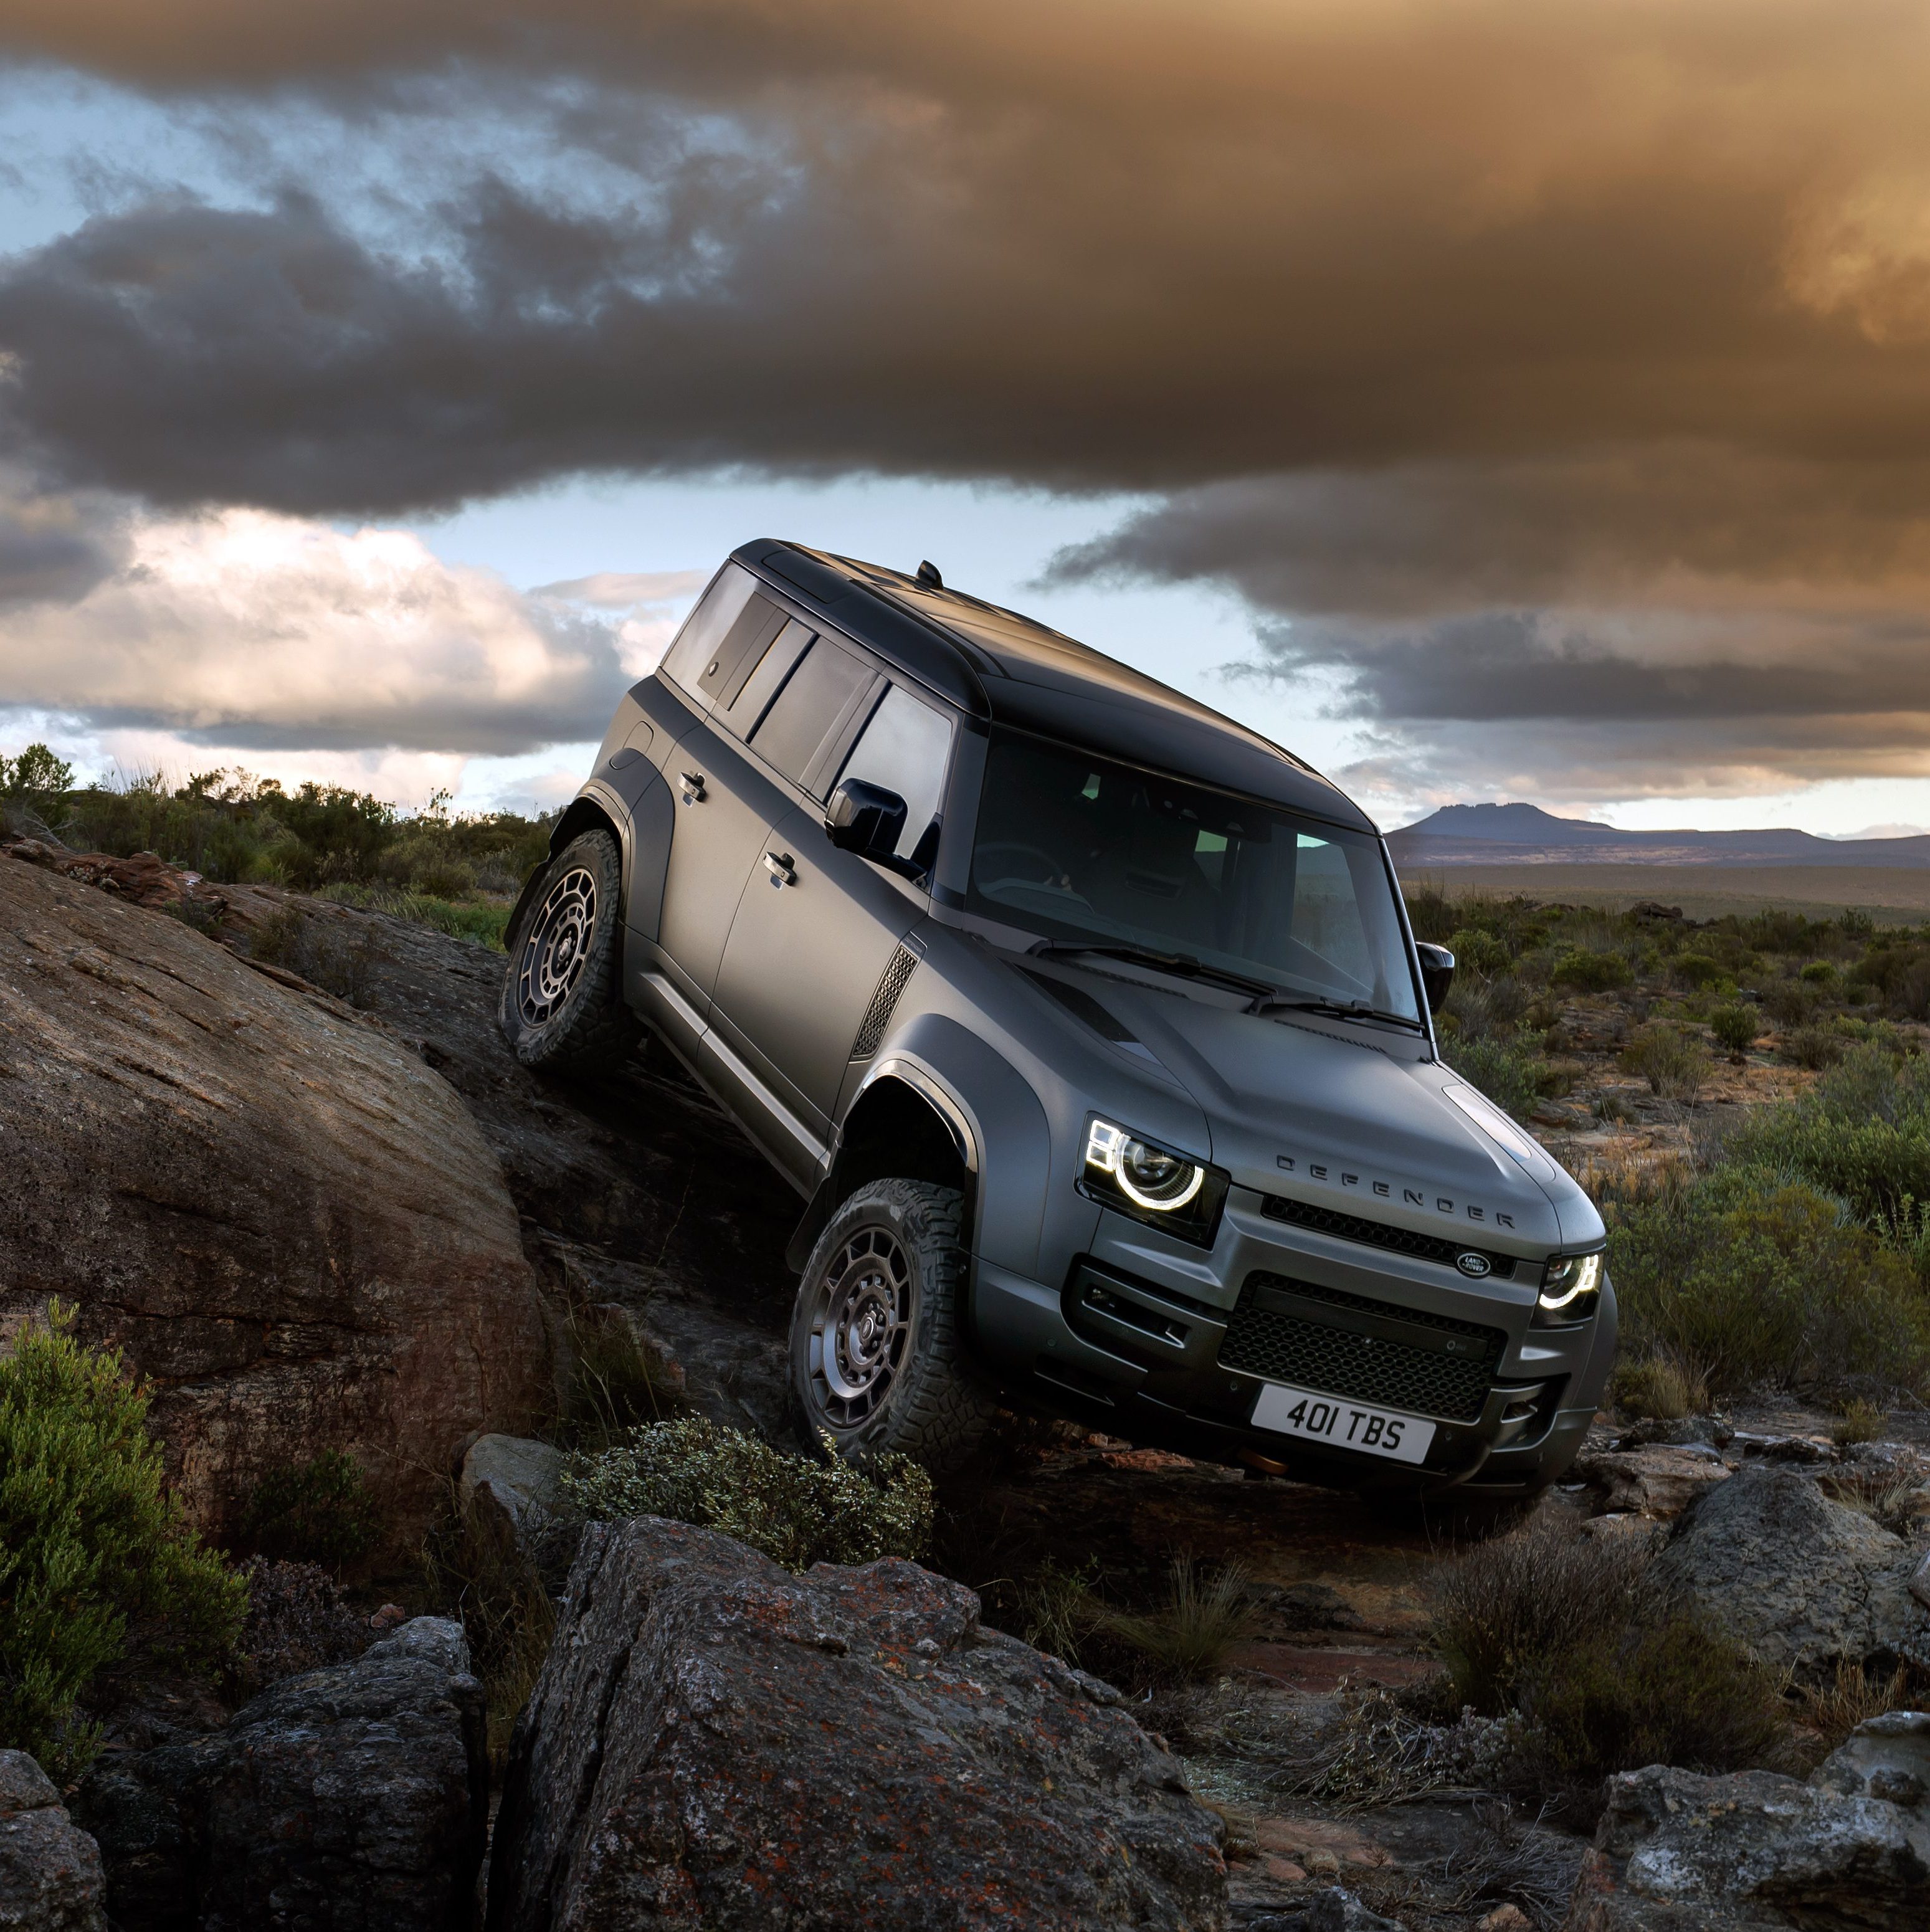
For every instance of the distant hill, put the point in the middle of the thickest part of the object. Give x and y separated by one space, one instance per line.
1524 835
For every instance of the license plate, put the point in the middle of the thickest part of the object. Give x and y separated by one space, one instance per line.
1342 1424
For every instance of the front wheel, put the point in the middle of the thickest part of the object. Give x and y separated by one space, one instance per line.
561 1008
875 1357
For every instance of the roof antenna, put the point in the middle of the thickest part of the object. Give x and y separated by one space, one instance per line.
927 574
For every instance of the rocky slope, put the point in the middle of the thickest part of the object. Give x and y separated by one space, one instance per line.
293 1227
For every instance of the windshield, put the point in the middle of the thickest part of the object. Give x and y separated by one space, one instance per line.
1076 847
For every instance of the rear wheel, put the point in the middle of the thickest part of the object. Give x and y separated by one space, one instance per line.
561 1007
876 1358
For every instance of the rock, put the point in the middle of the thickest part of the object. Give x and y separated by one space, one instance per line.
1919 1586
144 880
514 1477
354 1797
1714 1430
1338 1911
290 1226
1885 1757
1659 1480
1801 1579
714 1740
1505 1918
1677 1848
50 1875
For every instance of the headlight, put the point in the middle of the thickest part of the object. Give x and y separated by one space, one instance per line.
1569 1285
1152 1183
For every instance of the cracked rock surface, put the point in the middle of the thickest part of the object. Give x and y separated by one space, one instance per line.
714 1741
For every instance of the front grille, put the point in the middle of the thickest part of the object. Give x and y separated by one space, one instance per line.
1379 1234
878 1014
1285 1347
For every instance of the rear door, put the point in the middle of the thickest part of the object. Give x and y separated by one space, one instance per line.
723 805
818 935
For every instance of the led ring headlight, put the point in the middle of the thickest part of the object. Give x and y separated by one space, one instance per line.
1149 1177
1570 1279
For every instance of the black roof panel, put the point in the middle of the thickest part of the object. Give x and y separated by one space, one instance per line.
994 663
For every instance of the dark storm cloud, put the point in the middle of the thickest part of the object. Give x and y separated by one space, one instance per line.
1558 370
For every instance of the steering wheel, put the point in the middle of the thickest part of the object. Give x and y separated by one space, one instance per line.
1054 868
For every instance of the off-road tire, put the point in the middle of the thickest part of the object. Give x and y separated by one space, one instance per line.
909 1235
561 1008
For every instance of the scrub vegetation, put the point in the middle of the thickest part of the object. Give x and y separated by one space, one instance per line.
1749 1101
796 1512
97 1566
458 874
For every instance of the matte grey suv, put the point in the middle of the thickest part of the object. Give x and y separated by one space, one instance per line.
1089 1026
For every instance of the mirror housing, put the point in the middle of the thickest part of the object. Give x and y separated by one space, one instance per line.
1437 973
866 819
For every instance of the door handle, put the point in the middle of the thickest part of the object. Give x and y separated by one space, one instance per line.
781 867
693 786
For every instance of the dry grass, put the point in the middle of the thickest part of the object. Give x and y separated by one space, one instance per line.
1833 1709
1188 1636
474 1569
1659 1387
1896 1504
614 1385
1858 1420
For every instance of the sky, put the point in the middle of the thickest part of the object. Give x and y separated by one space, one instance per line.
1485 399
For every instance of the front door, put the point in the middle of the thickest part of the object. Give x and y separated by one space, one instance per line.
815 932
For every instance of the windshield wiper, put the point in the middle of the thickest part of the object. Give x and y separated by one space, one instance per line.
1276 1001
1183 963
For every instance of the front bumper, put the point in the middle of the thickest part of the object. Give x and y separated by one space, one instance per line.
1174 1349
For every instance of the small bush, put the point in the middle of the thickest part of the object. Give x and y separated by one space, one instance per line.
1673 1061
1789 1003
1508 1610
1735 1028
1662 1691
298 1620
614 1386
1591 972
1563 1631
1815 1047
1479 951
1834 1709
320 1511
1748 1278
1658 1388
1507 1072
797 1513
1818 973
336 962
1858 1420
1697 969
96 1560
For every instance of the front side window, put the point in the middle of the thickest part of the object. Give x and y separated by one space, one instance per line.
905 747
1075 847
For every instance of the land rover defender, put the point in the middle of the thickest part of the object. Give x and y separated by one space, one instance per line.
1089 1027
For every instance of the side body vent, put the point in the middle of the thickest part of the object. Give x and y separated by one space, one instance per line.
884 1003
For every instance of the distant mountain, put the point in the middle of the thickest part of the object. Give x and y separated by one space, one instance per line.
1524 835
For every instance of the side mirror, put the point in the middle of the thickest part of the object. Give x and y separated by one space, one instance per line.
865 818
1437 973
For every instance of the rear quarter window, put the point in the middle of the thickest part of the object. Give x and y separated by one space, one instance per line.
810 714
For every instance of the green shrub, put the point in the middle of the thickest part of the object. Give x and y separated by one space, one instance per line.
1508 1073
1662 1690
1789 1003
798 1513
1862 1133
1589 972
1735 1027
1818 973
319 1511
1479 951
1672 1060
1697 969
1563 1631
96 1560
1747 1278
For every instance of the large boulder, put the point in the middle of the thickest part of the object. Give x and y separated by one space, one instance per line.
1656 1480
716 1742
352 1799
50 1875
1801 1578
290 1224
1677 1851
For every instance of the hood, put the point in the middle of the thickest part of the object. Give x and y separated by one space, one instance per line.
1355 1118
